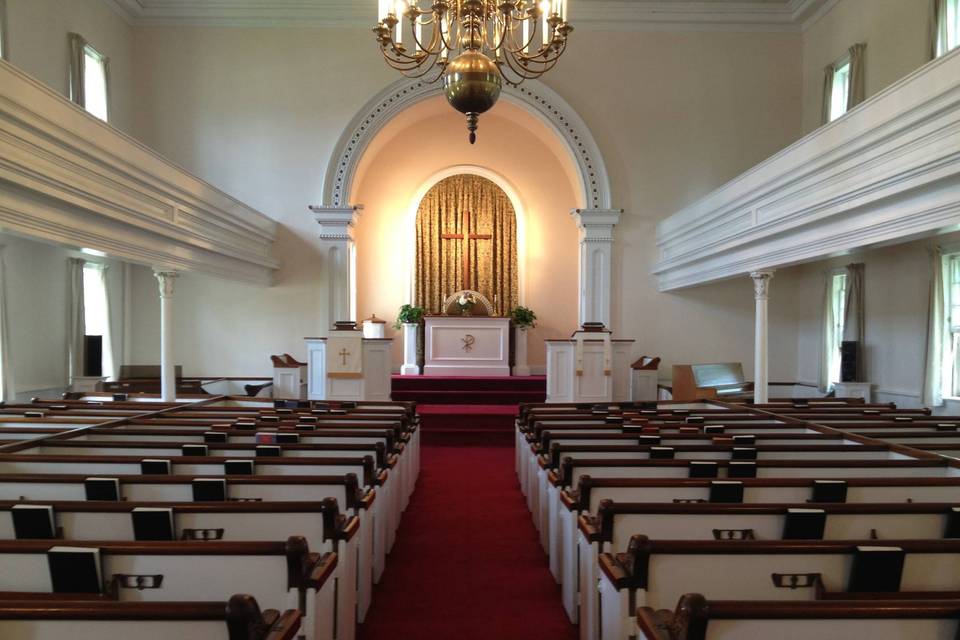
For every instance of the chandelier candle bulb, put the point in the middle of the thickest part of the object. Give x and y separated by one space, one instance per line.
545 10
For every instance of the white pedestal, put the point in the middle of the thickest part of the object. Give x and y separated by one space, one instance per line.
520 366
85 384
290 383
564 385
466 346
374 385
643 386
854 390
410 366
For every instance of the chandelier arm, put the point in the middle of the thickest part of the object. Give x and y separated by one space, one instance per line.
404 65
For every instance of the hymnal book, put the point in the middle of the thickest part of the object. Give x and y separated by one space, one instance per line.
871 412
120 397
269 418
209 490
153 523
33 414
194 450
876 569
648 412
265 437
214 436
695 420
713 428
284 411
681 412
946 426
267 451
75 570
58 407
745 439
743 453
288 438
320 409
306 427
648 439
725 491
703 469
829 491
102 489
742 469
305 419
238 467
244 425
155 467
902 419
348 404
608 419
33 522
952 529
804 524
338 412
661 453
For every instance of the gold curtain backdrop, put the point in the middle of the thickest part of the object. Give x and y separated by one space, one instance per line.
466 214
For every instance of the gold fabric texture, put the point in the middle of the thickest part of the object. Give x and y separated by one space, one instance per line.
466 214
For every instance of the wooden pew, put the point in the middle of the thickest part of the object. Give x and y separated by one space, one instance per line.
278 574
696 618
53 619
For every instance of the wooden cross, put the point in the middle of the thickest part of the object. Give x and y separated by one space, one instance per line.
466 238
343 356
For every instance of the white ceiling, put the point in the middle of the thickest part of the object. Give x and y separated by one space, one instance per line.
726 15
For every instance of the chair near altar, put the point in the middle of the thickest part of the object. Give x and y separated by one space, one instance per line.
474 342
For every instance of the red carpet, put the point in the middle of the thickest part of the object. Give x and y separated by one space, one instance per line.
467 424
469 389
467 564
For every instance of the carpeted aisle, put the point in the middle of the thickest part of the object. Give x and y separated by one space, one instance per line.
467 563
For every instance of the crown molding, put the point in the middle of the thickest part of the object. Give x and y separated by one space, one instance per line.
594 15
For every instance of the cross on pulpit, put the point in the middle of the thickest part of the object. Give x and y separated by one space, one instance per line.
343 356
466 238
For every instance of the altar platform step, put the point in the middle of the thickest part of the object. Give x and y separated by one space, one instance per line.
467 424
459 390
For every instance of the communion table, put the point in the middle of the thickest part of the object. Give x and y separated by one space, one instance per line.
373 382
593 384
466 346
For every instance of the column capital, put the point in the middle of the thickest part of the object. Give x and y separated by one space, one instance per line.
166 279
336 223
596 224
761 284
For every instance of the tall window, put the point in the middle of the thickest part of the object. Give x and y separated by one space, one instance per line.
89 75
947 19
951 372
840 91
96 311
838 301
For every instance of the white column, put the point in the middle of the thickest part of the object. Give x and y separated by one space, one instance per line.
168 376
761 289
596 262
336 235
409 367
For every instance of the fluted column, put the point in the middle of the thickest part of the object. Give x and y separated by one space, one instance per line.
168 374
761 289
596 262
336 235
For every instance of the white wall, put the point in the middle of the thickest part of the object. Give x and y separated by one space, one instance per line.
896 286
38 299
897 39
37 42
257 112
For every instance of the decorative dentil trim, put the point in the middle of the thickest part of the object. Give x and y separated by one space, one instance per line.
532 95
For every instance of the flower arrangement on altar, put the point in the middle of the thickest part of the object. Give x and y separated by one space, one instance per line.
466 302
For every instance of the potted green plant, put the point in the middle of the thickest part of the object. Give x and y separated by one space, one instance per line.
524 319
408 319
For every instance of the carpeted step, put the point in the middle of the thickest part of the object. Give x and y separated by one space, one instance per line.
444 396
462 424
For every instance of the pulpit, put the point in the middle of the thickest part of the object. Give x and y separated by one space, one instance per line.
372 382
588 369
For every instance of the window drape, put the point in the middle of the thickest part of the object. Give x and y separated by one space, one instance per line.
857 91
827 91
77 67
7 387
937 348
828 328
76 324
853 320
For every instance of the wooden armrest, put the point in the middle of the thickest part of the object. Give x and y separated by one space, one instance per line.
367 501
349 529
286 627
322 570
655 625
589 527
381 478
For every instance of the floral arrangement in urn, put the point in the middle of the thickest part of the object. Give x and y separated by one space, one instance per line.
466 302
409 314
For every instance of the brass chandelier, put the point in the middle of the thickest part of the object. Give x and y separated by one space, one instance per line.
474 45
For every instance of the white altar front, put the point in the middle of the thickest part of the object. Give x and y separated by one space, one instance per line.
373 384
466 346
563 383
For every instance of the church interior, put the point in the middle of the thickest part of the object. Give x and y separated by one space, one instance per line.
580 319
